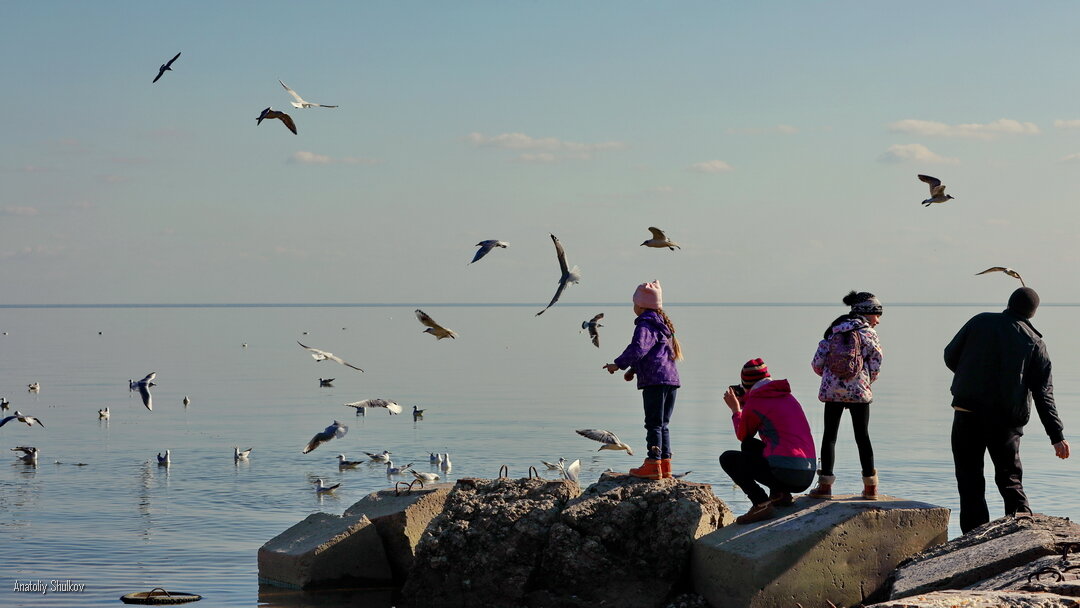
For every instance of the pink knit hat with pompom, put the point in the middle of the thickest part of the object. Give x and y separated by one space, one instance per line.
649 295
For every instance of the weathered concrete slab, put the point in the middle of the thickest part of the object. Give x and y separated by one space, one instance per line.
993 556
816 551
401 519
981 599
324 549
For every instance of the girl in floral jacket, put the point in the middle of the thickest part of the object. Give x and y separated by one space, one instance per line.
853 393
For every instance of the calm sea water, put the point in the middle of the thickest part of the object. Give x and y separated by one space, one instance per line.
510 390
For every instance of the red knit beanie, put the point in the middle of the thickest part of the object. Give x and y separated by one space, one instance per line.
752 372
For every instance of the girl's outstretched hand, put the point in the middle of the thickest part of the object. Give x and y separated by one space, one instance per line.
611 368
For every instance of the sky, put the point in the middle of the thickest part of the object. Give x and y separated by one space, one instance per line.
778 143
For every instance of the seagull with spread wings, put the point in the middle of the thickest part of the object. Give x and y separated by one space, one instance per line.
390 406
1009 271
143 386
29 453
487 246
434 328
282 116
610 440
937 191
334 430
568 276
659 240
322 355
592 325
165 67
300 103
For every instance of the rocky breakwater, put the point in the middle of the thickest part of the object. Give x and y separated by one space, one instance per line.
533 542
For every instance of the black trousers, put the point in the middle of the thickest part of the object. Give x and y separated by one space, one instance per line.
973 435
747 467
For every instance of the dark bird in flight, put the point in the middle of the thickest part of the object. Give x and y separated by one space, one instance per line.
592 325
937 191
487 246
282 116
1009 271
165 67
569 275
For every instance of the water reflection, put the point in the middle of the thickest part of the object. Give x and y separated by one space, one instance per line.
277 597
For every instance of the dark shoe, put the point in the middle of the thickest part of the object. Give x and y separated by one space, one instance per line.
781 499
650 469
757 513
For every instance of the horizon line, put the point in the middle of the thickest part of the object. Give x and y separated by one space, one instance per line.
484 304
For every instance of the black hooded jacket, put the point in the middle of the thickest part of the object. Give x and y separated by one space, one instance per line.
1000 364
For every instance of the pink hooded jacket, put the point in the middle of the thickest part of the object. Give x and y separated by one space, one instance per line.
773 413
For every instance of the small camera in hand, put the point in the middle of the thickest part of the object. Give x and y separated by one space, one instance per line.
738 390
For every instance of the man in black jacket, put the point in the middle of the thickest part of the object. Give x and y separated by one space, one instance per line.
999 364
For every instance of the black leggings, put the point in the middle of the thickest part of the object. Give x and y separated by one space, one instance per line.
860 423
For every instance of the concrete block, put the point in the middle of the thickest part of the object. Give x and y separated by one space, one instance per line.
322 550
401 519
815 551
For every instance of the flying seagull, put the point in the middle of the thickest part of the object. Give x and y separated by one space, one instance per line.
29 454
282 116
569 275
322 355
390 406
610 440
1009 271
434 328
334 430
555 466
239 454
659 240
937 191
143 386
21 417
592 325
300 103
487 246
165 67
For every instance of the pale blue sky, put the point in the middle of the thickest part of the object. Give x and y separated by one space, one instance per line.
777 142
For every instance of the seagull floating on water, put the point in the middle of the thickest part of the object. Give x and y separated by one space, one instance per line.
321 488
143 386
383 456
282 116
5 405
322 355
659 240
937 191
1009 271
610 440
33 387
392 470
29 454
334 430
165 67
434 328
103 413
239 454
425 477
326 381
417 414
592 325
433 458
21 417
487 246
166 460
347 464
390 406
300 103
444 462
568 276
187 401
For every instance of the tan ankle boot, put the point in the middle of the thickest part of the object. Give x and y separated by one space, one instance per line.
824 487
870 487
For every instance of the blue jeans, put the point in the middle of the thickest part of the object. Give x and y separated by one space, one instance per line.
659 403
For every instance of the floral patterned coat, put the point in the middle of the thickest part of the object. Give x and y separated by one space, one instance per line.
857 388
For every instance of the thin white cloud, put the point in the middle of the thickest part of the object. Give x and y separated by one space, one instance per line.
35 251
1071 158
903 153
711 166
1067 124
541 149
774 130
991 130
19 210
303 157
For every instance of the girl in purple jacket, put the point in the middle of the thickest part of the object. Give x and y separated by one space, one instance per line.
651 356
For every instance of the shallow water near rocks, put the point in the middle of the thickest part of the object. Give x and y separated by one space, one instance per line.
98 511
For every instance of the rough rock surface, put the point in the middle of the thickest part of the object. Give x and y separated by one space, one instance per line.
401 518
324 549
633 535
814 552
993 556
982 599
487 543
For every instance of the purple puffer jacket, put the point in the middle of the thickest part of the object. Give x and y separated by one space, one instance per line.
649 352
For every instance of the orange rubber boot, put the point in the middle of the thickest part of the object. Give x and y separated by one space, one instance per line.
665 468
650 469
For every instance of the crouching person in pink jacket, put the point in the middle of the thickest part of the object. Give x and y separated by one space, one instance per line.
783 459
